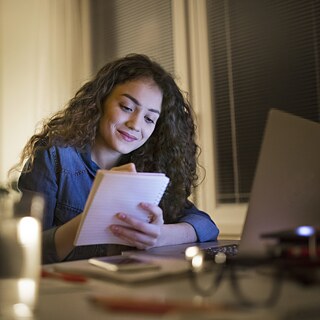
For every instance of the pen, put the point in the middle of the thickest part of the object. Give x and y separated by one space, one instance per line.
150 306
63 276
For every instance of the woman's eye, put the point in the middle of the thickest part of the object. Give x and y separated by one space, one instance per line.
149 120
125 108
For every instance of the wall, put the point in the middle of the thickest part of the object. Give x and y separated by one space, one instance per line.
44 57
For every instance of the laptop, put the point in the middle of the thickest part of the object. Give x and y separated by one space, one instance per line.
285 191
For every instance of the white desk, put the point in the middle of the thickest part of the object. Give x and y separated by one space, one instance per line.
65 300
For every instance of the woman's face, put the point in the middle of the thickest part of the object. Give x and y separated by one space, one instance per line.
130 114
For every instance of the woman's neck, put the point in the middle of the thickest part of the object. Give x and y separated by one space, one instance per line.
105 159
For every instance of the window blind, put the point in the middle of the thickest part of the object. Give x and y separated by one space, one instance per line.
120 27
263 54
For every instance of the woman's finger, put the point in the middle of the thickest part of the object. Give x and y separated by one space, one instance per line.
134 237
154 212
129 167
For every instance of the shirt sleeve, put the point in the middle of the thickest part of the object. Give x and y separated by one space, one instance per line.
205 228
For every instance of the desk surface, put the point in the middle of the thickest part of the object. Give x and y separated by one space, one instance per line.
68 300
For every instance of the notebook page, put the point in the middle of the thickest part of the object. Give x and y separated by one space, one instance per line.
114 192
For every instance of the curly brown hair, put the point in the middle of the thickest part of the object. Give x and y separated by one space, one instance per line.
171 149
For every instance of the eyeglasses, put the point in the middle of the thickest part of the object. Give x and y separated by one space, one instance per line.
243 272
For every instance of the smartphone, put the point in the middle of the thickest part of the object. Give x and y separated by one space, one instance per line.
123 263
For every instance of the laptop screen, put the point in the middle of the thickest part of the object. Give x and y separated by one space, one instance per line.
286 187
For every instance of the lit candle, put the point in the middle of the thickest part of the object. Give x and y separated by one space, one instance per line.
29 237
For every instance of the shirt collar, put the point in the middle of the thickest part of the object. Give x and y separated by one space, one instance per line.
85 155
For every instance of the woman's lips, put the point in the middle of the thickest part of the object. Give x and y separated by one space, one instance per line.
127 137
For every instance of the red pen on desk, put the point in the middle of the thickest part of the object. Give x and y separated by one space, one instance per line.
63 276
151 306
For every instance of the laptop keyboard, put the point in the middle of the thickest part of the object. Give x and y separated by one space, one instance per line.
229 250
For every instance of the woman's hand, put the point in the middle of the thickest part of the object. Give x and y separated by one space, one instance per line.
129 167
138 233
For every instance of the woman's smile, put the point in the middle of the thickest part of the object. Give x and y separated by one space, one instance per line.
126 136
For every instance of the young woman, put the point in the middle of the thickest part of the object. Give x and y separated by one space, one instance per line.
131 117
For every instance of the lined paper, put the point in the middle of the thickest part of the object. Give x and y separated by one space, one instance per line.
113 192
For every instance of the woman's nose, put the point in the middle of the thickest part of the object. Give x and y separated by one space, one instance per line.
134 123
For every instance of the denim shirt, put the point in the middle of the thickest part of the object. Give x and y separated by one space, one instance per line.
64 175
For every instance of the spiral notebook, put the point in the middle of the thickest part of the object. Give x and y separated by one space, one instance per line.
113 192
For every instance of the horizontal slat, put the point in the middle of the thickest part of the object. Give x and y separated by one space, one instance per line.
274 62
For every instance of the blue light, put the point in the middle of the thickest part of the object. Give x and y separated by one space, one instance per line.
305 231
